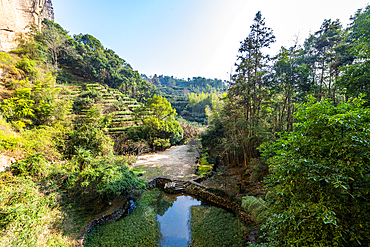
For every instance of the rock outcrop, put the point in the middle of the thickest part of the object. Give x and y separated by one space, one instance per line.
5 162
17 15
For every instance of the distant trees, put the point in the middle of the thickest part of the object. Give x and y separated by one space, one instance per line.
176 85
180 93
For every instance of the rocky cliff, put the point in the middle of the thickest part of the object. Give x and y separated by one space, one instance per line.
17 15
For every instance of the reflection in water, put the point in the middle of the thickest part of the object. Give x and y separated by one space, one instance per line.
173 217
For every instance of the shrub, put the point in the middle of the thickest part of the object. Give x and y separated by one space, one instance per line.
104 177
256 207
319 187
89 136
161 143
211 226
26 216
28 66
34 165
43 140
256 170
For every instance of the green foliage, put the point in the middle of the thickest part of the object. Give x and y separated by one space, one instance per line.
319 186
89 41
28 66
25 213
15 108
198 106
140 228
159 129
355 77
211 226
106 177
178 91
203 170
86 99
42 140
160 108
89 136
6 60
161 143
34 166
36 101
256 207
256 170
85 57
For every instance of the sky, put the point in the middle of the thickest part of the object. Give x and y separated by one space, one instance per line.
190 38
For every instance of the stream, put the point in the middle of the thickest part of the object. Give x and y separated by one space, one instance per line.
161 219
173 217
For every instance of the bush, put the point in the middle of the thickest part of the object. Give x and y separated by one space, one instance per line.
319 187
25 217
256 170
161 143
104 177
29 142
86 100
89 136
256 207
34 165
211 226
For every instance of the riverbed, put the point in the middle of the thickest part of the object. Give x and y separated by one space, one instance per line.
162 219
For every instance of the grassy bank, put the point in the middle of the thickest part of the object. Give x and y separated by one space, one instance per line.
211 226
138 229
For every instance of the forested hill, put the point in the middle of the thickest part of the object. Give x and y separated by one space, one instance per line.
83 59
173 86
189 97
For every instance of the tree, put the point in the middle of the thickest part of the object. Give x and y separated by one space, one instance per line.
327 37
161 108
247 93
56 40
355 78
159 127
318 189
88 40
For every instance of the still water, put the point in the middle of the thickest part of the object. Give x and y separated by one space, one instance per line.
173 217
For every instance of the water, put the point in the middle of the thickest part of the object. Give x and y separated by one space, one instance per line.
173 217
131 207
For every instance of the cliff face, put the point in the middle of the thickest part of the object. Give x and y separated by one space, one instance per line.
16 15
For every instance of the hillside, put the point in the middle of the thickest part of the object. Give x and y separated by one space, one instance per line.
180 93
72 115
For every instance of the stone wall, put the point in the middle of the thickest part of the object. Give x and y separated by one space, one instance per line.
199 191
109 216
17 15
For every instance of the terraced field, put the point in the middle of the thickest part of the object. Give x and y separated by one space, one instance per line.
121 120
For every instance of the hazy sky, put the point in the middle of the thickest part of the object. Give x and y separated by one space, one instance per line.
187 38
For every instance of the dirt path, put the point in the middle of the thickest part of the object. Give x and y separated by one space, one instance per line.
178 162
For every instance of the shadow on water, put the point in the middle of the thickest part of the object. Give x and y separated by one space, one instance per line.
173 217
